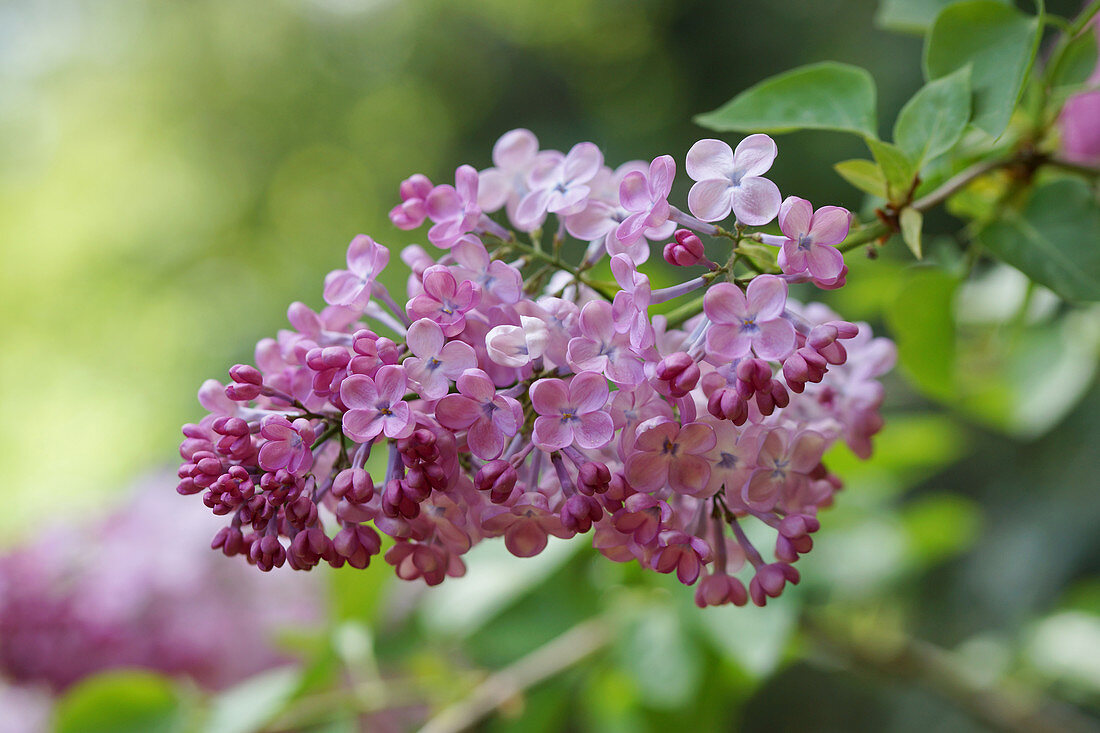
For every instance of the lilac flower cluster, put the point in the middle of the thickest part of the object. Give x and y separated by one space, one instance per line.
515 395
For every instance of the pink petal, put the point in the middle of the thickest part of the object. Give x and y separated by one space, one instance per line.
508 416
830 225
689 474
471 254
425 338
493 190
342 287
531 208
652 436
456 357
400 424
358 391
594 430
725 303
754 155
711 199
794 216
696 438
362 425
762 491
391 383
634 192
792 258
570 202
477 385
662 173
807 451
582 163
549 396
767 297
632 228
824 262
728 342
709 159
546 171
274 455
455 412
439 282
647 471
588 392
775 339
525 539
597 320
366 257
515 149
443 203
584 354
466 183
552 433
591 222
755 202
485 441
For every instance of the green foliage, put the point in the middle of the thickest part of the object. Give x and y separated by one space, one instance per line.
249 706
121 702
998 42
922 321
910 16
1074 65
864 175
934 119
660 655
911 222
825 96
1053 240
938 526
896 168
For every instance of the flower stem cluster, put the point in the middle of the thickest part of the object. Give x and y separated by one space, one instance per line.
514 394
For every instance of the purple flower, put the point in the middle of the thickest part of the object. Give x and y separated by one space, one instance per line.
435 362
573 412
287 446
731 180
496 278
751 320
454 208
809 239
684 553
488 418
646 197
413 209
525 525
557 184
785 459
377 406
352 287
1080 120
667 453
514 155
602 348
444 300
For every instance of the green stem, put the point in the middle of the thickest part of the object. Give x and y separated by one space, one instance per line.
560 264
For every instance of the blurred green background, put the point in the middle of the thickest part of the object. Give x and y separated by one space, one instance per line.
173 175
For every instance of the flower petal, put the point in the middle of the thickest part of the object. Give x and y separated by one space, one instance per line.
711 199
588 392
755 202
634 192
594 430
689 474
485 441
775 339
795 215
552 433
647 471
767 297
709 159
754 155
425 338
725 303
830 225
824 262
549 396
455 412
358 391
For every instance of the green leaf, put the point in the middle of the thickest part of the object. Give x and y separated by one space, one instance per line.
658 653
911 224
934 119
998 42
921 319
896 167
1054 240
825 96
939 526
120 702
252 704
910 16
864 175
1076 63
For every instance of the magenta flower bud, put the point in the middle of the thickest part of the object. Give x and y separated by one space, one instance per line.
357 543
267 552
301 511
401 500
579 512
593 477
726 404
308 548
353 484
229 540
420 446
242 392
798 525
788 550
680 372
718 590
686 250
418 485
770 580
245 374
498 477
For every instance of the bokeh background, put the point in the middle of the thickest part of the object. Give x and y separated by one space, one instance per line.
173 175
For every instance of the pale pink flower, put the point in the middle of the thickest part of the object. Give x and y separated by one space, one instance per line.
748 321
667 453
494 277
505 184
352 287
573 412
444 300
731 180
454 208
809 239
488 418
601 348
287 446
646 198
377 406
435 362
557 183
517 346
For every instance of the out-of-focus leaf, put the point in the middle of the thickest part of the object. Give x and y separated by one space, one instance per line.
754 638
1053 240
939 526
911 223
864 175
923 324
1076 63
249 706
896 168
611 702
121 702
661 657
998 42
934 119
493 580
910 16
1066 646
825 96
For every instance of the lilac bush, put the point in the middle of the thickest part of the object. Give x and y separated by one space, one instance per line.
518 395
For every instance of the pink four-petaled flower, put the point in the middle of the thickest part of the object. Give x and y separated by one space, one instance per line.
287 446
488 418
646 197
454 208
572 413
558 183
377 406
751 320
435 362
666 452
444 300
809 238
731 180
366 259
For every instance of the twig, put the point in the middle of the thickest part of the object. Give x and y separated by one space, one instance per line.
548 660
1004 707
